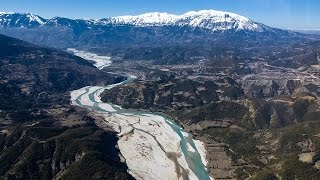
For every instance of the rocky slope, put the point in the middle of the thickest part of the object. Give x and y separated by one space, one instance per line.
245 137
258 117
41 135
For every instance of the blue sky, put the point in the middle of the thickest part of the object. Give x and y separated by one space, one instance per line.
292 14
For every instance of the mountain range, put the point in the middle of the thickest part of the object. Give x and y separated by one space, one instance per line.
146 29
206 19
248 91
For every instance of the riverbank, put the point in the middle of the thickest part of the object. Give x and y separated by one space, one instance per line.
153 146
148 138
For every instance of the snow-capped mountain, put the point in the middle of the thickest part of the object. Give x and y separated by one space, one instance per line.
207 19
146 29
148 19
27 20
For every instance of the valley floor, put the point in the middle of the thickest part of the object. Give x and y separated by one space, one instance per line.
153 146
248 125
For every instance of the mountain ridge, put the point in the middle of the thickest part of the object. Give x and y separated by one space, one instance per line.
207 19
150 29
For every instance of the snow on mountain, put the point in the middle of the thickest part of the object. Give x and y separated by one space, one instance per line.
217 21
20 20
208 19
58 21
1 13
154 18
